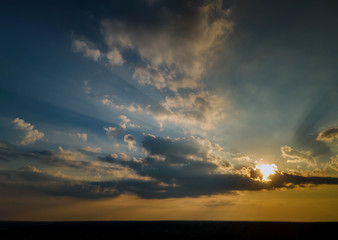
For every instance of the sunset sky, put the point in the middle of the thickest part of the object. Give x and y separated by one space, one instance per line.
169 110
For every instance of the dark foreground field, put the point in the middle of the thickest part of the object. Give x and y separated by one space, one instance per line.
166 230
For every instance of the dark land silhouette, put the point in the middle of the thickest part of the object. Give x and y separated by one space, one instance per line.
166 230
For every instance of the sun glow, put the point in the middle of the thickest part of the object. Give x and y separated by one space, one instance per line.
267 170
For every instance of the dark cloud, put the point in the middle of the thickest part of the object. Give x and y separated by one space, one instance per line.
283 179
328 135
175 150
6 151
173 168
9 152
63 158
36 181
60 158
26 174
194 186
176 174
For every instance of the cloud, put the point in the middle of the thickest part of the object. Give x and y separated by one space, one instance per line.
177 48
31 134
59 158
87 48
113 132
133 107
194 155
56 184
173 51
149 75
64 158
241 157
328 135
174 150
172 168
286 180
37 181
126 122
201 108
81 164
82 136
92 149
131 142
333 163
295 156
114 57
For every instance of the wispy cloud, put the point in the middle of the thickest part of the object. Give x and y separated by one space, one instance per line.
328 135
113 57
295 156
87 48
92 149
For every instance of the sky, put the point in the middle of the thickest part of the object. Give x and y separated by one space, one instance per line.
169 110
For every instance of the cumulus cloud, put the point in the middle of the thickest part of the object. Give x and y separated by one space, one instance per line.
130 140
295 156
328 135
114 57
113 132
126 122
31 134
178 48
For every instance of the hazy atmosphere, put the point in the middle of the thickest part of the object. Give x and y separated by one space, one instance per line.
169 110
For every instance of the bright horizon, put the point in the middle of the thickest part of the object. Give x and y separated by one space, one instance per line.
169 110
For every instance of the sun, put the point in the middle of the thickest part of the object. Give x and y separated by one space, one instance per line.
267 170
